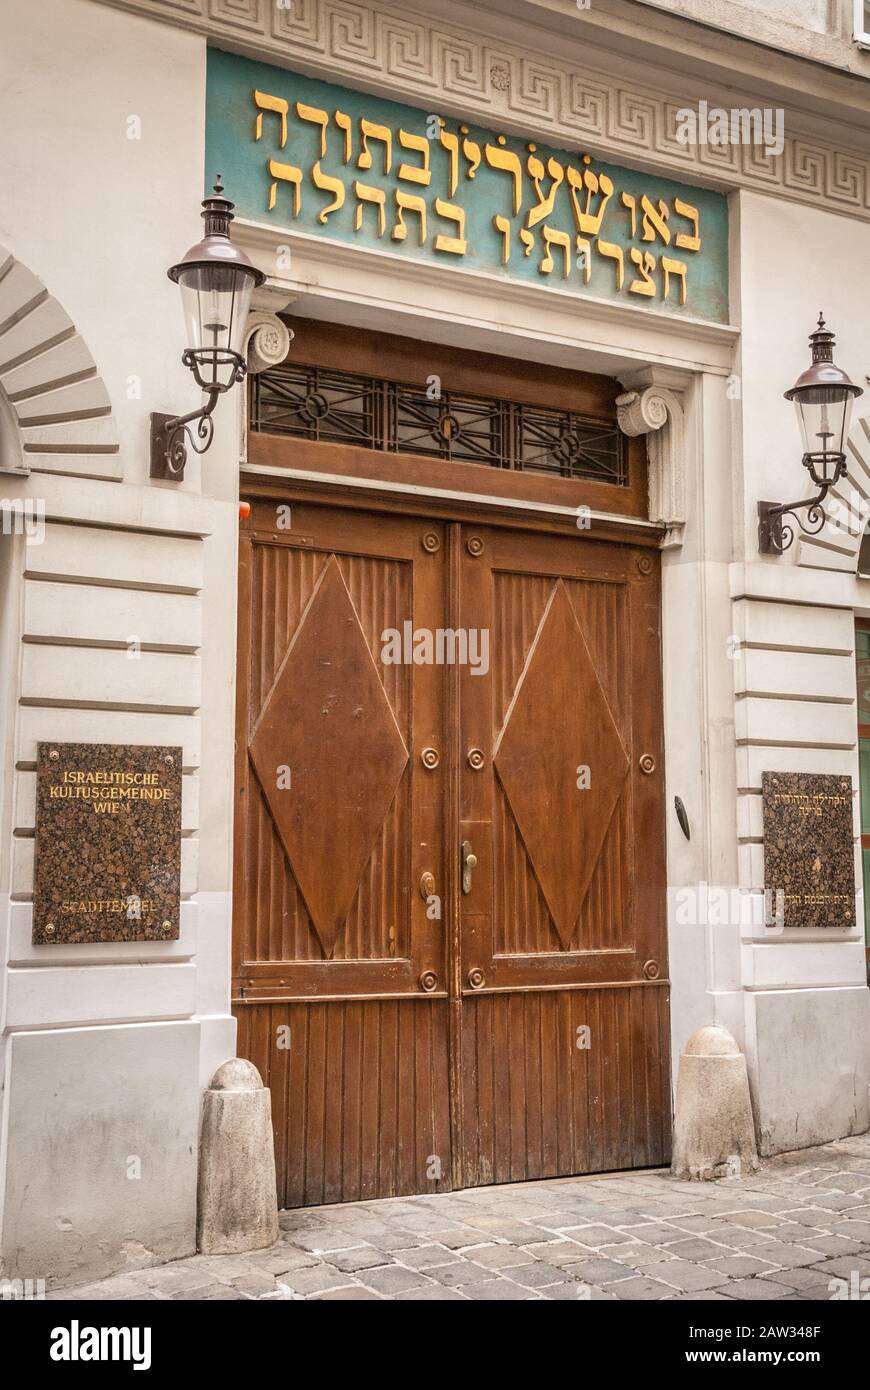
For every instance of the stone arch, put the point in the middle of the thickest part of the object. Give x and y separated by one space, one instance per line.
55 410
11 453
847 510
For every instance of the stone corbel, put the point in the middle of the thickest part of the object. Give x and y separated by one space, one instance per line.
267 339
657 412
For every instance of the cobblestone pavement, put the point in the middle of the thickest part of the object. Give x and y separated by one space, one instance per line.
787 1232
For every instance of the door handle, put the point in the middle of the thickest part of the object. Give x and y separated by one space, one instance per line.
469 864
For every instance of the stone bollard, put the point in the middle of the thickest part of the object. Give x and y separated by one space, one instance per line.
237 1206
714 1136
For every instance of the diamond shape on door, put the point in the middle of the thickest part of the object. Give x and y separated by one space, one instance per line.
558 721
328 720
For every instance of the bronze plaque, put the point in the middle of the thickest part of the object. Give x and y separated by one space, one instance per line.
809 848
108 843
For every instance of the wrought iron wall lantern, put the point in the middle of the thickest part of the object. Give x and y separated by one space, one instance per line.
823 397
217 280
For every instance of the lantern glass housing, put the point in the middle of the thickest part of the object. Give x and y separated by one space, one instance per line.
215 301
216 280
823 397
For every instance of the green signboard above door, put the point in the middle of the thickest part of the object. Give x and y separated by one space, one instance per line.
299 154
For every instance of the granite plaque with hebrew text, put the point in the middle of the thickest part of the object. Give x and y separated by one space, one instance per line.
809 850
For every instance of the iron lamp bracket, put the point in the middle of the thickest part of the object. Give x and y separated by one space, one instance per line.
776 535
170 436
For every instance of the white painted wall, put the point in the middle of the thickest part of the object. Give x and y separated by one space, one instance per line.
806 1004
99 217
115 1040
794 261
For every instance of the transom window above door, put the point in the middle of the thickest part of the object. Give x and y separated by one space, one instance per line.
338 407
369 409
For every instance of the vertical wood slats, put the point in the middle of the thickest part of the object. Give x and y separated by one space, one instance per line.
277 919
543 1107
361 1104
522 921
606 1107
359 1098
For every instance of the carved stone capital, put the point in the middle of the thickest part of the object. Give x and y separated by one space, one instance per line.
658 412
267 339
639 412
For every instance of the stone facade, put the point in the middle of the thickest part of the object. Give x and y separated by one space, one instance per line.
119 1039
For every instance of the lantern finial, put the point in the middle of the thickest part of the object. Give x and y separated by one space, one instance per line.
822 341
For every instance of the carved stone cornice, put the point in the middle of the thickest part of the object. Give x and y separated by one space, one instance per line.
415 58
657 412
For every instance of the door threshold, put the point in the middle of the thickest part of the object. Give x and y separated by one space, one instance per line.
483 1187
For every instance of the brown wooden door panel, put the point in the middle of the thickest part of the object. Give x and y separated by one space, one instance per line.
574 683
359 1097
407 1051
564 923
327 865
544 1108
332 941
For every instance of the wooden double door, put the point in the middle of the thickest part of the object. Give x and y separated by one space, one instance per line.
449 886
